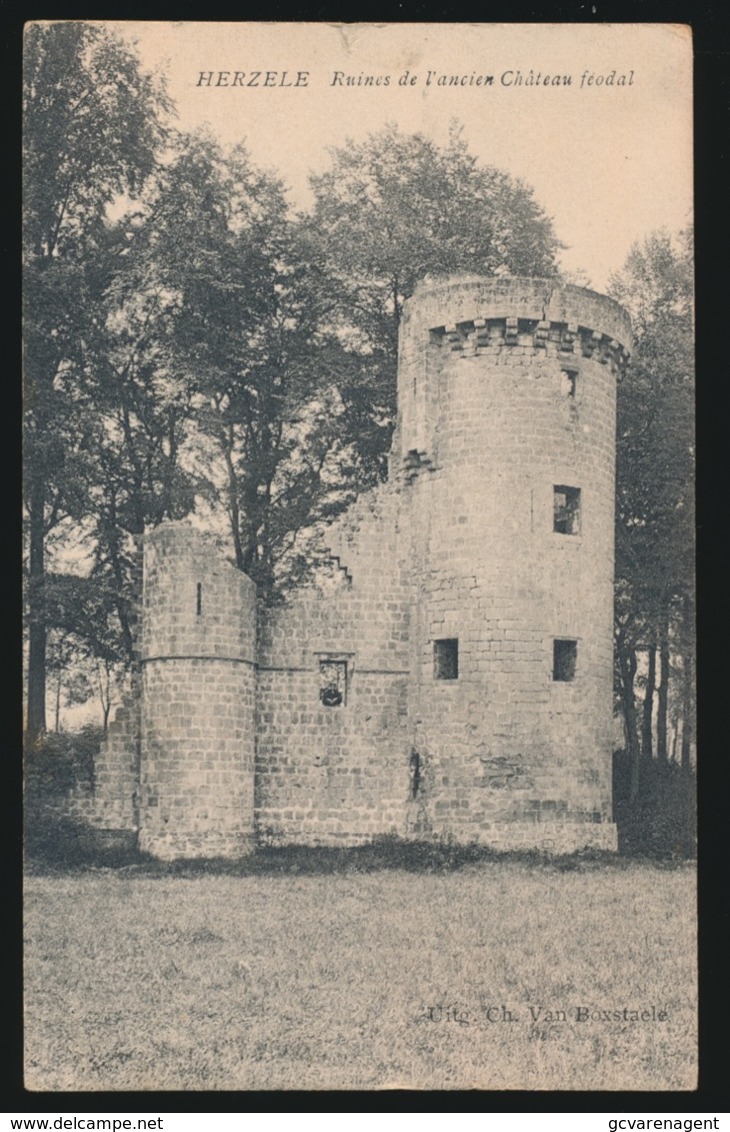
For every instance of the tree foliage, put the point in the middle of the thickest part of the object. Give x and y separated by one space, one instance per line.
251 332
655 500
397 207
391 211
91 131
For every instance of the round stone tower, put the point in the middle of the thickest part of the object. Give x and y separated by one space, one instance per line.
505 447
198 691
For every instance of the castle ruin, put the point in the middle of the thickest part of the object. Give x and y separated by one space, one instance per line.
457 680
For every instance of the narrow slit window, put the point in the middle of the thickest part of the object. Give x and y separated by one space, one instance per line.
446 659
565 655
566 509
199 599
568 378
333 682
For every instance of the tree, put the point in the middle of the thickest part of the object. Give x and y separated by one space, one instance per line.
143 408
81 673
655 501
92 126
392 210
249 327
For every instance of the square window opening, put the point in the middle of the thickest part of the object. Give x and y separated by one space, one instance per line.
565 654
566 509
333 682
446 659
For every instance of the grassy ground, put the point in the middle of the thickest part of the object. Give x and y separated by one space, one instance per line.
147 977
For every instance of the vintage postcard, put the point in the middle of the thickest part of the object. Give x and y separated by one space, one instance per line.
360 645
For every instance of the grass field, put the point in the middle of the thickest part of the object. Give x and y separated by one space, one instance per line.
280 980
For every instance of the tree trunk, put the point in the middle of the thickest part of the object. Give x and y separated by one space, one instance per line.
234 513
105 695
647 718
687 691
37 617
686 748
114 552
59 682
663 696
627 669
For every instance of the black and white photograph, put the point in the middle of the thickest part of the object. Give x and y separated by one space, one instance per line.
359 557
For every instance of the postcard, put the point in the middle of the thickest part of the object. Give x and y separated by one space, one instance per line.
359 475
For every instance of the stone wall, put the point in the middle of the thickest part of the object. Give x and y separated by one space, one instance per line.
110 802
339 773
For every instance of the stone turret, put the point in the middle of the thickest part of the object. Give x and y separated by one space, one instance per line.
198 689
506 448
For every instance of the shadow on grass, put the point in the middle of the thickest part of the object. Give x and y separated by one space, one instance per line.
61 847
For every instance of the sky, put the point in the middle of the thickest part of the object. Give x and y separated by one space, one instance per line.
609 161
